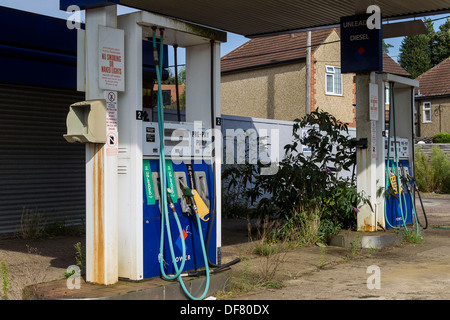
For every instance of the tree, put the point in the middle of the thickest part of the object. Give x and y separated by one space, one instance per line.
415 52
441 44
171 78
421 52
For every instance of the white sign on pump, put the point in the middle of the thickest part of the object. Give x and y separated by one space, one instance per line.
373 101
112 138
373 145
111 58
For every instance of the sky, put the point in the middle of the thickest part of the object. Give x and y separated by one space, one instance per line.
51 8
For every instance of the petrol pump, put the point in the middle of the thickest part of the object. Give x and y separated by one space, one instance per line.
188 167
385 149
386 164
167 174
400 186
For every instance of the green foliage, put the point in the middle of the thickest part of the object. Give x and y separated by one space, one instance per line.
5 279
442 137
415 52
410 236
339 208
80 256
304 181
300 229
421 52
422 167
307 185
440 170
171 78
440 48
432 175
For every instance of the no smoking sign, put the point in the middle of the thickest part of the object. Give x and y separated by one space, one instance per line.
111 96
111 144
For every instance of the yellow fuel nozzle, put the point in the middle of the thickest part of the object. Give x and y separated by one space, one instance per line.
197 202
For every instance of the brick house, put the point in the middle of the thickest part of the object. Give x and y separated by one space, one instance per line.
266 77
433 101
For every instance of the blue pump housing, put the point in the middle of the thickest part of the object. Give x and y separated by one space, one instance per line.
152 228
393 209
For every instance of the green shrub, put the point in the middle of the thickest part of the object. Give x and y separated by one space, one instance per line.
422 167
307 185
5 280
440 169
432 175
442 137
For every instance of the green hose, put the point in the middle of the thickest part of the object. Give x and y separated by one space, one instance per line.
162 173
163 198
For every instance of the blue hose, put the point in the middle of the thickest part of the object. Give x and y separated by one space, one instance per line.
163 198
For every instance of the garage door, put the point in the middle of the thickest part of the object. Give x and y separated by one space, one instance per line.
41 175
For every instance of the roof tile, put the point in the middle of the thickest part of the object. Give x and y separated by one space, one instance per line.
436 81
269 50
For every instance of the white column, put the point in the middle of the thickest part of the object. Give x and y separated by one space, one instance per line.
101 170
130 156
366 164
198 105
218 146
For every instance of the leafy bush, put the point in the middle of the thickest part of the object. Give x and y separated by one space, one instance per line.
432 175
442 137
308 185
422 167
440 170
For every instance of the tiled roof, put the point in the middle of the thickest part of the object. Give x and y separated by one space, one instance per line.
265 51
271 50
436 81
390 66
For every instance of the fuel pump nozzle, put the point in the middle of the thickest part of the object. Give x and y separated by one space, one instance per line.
196 202
189 193
169 200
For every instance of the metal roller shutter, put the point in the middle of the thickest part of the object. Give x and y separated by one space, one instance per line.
39 170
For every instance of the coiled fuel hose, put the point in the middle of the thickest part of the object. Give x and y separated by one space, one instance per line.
164 199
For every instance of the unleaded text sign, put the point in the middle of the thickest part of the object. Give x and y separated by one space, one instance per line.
361 46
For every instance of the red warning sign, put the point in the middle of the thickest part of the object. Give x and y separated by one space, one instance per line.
111 59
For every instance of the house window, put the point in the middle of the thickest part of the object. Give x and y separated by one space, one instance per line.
427 112
333 80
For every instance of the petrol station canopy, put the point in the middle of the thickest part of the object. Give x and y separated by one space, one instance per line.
253 18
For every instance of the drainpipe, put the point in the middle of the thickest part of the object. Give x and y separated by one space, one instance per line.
308 73
419 133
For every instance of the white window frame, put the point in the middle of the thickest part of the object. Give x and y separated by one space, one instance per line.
426 107
331 71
